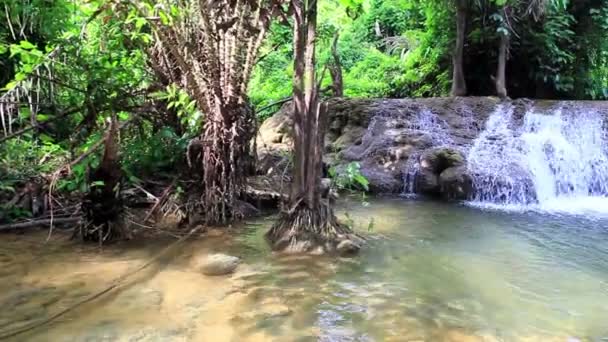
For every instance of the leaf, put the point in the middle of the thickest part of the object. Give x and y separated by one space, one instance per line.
46 139
123 116
362 181
97 183
27 45
42 117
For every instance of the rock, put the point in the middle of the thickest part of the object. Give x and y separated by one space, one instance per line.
246 210
266 191
217 264
438 159
427 182
347 247
455 183
381 181
383 134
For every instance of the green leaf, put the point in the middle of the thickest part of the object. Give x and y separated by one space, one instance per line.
362 181
42 117
123 116
46 139
27 45
97 183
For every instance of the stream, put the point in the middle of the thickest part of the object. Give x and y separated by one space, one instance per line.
430 272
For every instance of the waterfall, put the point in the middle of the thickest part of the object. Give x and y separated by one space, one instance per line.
430 124
555 161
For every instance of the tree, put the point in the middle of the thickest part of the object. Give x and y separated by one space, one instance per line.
335 69
308 224
209 48
459 87
510 12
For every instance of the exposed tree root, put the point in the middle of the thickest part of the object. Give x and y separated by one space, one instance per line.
312 230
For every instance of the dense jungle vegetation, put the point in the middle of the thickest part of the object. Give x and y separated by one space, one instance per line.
102 98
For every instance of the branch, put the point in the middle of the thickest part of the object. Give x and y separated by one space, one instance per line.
29 128
279 102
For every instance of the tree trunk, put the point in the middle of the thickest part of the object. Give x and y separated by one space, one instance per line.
308 225
335 69
501 79
102 205
221 157
459 87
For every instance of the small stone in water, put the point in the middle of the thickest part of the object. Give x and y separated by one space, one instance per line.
217 264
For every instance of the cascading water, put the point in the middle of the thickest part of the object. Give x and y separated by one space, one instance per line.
430 124
554 161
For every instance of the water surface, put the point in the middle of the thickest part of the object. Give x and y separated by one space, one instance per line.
431 272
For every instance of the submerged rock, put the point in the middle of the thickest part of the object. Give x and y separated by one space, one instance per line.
217 264
348 247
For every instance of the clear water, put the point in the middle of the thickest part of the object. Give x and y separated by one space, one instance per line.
553 160
431 272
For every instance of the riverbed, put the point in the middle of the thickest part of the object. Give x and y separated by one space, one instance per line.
430 272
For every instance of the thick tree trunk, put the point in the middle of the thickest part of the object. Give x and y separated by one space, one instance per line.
102 205
335 69
501 79
308 225
459 87
221 155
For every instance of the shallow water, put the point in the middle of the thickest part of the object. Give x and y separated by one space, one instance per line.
431 272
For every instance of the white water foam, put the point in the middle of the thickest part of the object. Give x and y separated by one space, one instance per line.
550 162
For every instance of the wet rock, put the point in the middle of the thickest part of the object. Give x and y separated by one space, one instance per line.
455 183
438 159
265 191
246 210
381 180
382 135
217 264
347 247
427 182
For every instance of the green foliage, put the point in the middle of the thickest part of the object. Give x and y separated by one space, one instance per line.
149 153
177 99
349 178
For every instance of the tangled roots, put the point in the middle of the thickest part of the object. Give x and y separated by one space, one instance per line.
312 230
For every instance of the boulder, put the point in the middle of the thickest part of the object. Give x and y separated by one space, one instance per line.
440 158
217 264
433 162
455 183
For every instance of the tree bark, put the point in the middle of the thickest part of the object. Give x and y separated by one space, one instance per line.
220 157
102 205
501 78
308 224
335 69
459 87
